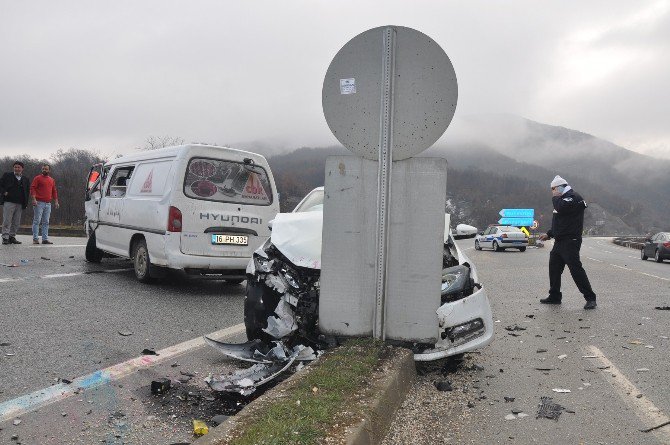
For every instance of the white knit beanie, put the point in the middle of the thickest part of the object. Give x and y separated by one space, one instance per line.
558 181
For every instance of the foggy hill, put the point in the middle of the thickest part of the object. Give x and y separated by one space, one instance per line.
498 161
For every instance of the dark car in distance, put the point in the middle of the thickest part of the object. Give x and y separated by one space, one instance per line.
656 247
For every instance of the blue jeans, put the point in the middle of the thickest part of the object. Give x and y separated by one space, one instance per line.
41 218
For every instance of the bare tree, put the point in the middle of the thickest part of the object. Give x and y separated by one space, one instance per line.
155 142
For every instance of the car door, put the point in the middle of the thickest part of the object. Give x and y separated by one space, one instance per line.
650 246
487 238
94 185
110 235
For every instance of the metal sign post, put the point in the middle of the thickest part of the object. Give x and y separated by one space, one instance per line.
385 112
384 175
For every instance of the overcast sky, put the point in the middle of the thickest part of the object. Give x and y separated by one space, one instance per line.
107 75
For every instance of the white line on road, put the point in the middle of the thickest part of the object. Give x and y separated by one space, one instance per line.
593 259
654 276
38 399
620 267
71 274
648 413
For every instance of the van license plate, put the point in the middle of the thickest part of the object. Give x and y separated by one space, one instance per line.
240 240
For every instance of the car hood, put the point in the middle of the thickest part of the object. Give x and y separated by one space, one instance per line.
298 237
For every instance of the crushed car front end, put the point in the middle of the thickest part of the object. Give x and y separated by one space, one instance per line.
282 297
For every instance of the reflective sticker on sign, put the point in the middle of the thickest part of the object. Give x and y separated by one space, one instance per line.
348 86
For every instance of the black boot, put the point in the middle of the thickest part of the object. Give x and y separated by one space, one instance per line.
590 304
13 240
550 300
5 241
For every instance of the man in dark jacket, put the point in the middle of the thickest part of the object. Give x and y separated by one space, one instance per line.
14 193
567 225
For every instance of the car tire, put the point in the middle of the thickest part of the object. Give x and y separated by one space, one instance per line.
657 256
92 253
496 247
522 249
141 262
477 246
642 255
257 302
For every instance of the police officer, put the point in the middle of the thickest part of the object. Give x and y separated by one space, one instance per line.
566 228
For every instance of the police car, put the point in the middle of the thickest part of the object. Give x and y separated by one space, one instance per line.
499 238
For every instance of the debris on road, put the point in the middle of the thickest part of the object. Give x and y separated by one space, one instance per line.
160 386
514 328
548 409
443 385
66 381
561 390
125 333
635 342
642 370
16 422
147 351
662 308
200 428
540 351
562 356
509 399
45 258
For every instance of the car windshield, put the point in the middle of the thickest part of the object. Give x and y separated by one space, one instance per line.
312 202
509 229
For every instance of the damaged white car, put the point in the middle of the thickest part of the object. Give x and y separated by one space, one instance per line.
283 289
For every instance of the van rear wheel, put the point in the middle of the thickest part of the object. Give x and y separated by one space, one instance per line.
141 262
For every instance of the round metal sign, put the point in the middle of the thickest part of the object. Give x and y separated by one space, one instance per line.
423 87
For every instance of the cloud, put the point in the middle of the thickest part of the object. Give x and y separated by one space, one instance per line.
108 75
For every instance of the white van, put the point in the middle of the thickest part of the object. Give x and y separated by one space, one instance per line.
199 208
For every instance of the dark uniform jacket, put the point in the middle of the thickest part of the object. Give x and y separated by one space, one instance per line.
568 220
17 191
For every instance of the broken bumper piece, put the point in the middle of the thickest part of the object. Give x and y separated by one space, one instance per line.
465 325
270 362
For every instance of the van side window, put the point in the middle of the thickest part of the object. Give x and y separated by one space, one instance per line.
118 183
227 181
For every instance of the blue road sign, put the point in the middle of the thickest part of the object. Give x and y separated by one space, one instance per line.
517 222
517 213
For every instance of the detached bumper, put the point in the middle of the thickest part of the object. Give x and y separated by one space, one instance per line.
469 321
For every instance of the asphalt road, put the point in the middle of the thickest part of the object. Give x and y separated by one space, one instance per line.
62 321
612 396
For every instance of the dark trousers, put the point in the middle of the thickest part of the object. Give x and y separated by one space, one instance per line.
566 251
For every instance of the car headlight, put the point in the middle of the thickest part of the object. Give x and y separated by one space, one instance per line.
263 264
454 279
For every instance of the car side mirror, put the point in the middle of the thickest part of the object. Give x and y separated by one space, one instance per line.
480 233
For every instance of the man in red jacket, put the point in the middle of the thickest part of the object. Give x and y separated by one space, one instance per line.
43 191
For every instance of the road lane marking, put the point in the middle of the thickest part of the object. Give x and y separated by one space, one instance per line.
648 413
71 274
593 259
636 271
55 246
38 399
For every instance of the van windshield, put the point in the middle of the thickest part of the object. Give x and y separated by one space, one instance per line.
227 181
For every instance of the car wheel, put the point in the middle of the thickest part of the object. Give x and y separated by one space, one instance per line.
642 255
522 249
657 256
477 246
141 262
92 253
259 303
496 247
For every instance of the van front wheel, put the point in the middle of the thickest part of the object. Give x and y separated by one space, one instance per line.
92 253
141 262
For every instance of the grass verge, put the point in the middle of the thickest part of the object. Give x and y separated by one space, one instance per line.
306 413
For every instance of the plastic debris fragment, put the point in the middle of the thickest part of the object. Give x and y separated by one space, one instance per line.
548 409
561 390
200 428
